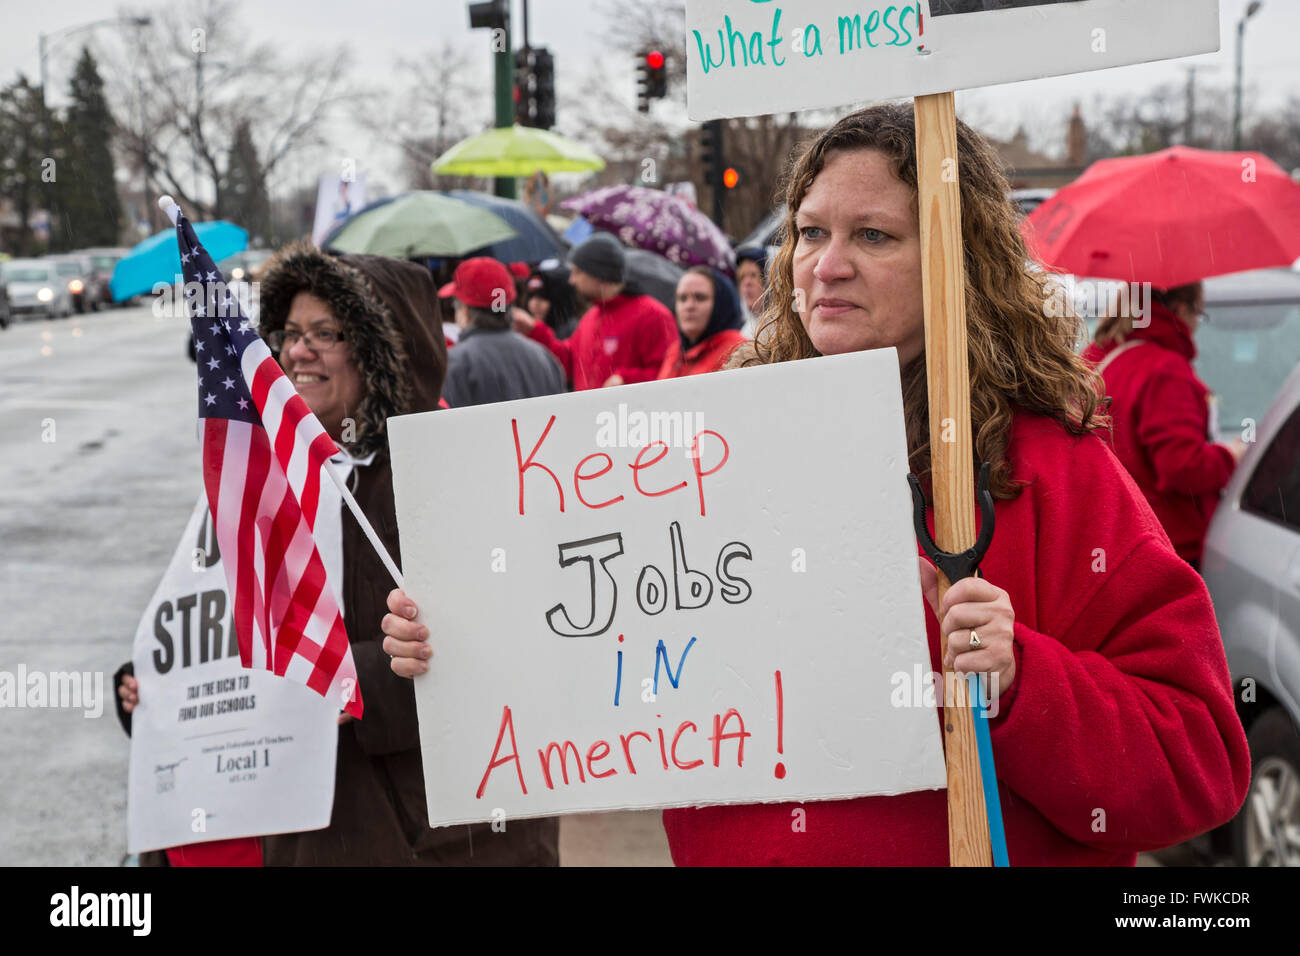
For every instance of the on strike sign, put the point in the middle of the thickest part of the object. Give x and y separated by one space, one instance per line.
658 596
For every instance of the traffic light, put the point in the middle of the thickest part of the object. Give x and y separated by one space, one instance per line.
711 152
543 89
651 78
535 88
492 15
656 75
523 89
715 168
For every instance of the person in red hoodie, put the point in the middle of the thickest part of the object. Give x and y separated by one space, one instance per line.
623 336
708 319
1161 414
1112 720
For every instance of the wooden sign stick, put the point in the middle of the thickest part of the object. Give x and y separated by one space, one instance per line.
943 273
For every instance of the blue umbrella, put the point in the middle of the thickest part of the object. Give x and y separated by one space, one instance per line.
158 258
536 240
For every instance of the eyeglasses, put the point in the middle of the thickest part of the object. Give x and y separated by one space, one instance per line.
318 340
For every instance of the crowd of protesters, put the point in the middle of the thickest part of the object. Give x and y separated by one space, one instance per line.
1118 696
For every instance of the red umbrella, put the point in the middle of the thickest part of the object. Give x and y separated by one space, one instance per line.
1170 218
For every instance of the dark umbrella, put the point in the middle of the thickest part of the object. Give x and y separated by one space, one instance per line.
767 232
654 276
535 241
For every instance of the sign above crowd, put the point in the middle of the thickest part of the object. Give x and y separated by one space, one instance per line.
749 57
671 601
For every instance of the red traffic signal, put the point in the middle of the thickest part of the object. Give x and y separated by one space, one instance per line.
731 177
655 60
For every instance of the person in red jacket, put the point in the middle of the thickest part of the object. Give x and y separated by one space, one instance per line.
708 319
1115 729
1161 414
623 336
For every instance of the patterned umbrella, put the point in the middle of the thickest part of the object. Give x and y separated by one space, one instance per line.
653 220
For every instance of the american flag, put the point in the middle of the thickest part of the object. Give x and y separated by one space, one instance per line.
263 451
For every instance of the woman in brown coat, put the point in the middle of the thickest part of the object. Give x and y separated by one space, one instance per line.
357 336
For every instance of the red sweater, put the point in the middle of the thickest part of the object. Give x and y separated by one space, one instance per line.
1118 733
626 335
1161 428
705 356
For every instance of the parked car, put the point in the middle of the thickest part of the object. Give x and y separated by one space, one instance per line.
242 266
1027 200
5 315
102 263
1246 347
1252 568
76 271
36 287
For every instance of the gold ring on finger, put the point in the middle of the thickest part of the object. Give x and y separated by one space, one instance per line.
975 643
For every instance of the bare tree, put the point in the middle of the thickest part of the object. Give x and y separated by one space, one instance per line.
445 99
189 79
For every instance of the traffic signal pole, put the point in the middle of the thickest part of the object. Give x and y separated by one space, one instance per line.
504 66
715 164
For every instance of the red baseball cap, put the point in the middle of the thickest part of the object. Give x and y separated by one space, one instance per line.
520 270
481 283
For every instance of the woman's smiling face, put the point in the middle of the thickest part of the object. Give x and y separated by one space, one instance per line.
857 258
328 380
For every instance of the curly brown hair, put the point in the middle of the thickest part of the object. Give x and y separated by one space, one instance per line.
1021 351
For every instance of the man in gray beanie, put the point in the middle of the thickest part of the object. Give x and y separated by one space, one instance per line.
623 336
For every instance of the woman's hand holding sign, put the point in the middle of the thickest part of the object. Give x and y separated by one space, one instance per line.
406 640
974 607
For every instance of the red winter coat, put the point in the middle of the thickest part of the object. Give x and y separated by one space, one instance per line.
705 356
1118 733
626 335
1161 427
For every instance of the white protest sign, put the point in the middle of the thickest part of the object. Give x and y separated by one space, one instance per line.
747 57
218 751
688 592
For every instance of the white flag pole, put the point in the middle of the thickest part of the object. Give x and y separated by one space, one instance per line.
357 513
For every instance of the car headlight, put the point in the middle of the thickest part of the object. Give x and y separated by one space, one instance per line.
75 286
45 295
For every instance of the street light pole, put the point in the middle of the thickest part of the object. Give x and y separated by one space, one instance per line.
1251 10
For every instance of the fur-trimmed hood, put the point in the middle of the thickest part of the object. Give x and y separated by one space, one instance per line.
388 310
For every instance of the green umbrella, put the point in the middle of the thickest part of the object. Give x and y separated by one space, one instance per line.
516 151
417 225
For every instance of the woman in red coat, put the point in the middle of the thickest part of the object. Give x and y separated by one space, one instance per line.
1115 729
709 320
1161 414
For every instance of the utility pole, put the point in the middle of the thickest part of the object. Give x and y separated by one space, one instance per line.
495 16
1189 118
1251 10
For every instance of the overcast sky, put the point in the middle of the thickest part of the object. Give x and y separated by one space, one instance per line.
380 32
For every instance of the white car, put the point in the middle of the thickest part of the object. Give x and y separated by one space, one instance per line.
36 287
1252 568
